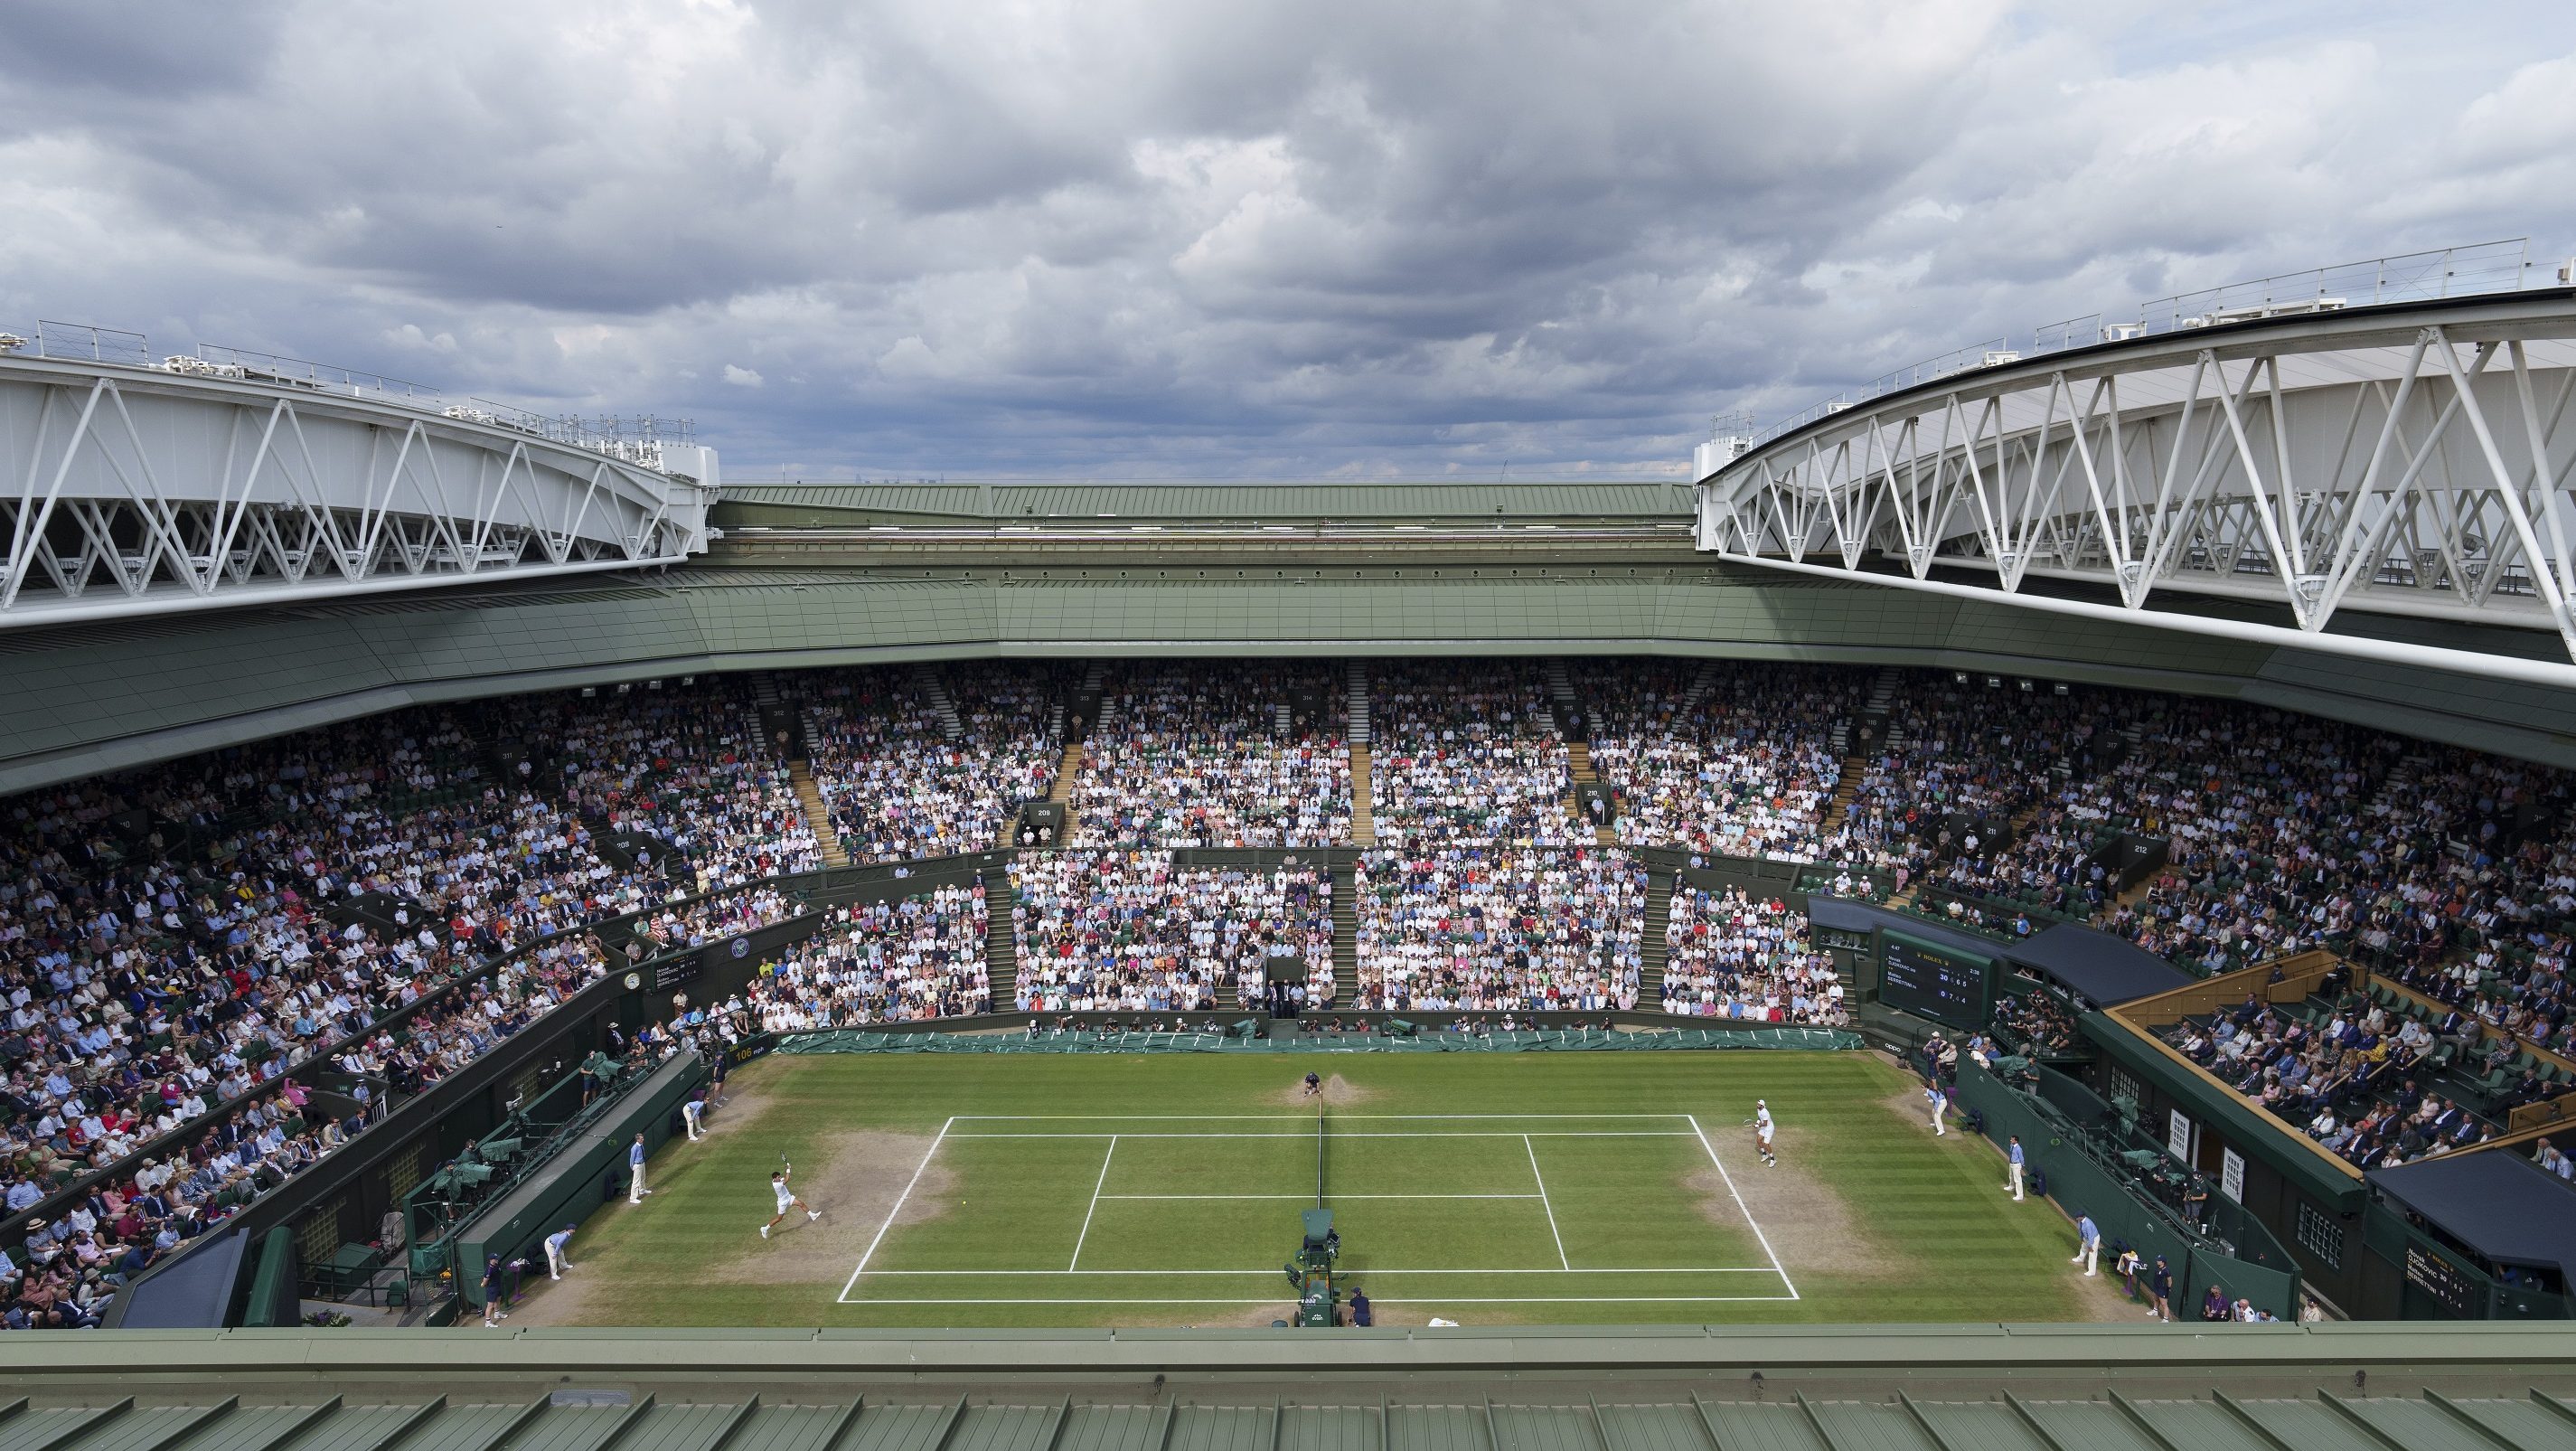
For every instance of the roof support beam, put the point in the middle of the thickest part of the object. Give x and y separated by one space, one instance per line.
2311 463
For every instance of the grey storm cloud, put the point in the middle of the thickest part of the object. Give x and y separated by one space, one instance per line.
1151 238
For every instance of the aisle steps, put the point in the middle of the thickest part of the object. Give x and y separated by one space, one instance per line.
1654 952
1346 935
1560 689
1001 952
935 690
1066 770
1882 692
1846 791
1363 820
1578 761
809 794
1702 680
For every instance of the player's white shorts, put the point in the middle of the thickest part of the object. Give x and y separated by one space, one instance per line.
786 1202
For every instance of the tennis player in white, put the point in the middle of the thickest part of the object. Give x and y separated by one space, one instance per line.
787 1200
1762 1131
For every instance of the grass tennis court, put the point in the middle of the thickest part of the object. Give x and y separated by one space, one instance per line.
1437 1210
1165 1190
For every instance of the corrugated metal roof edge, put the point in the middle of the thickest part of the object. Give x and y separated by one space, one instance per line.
1910 1350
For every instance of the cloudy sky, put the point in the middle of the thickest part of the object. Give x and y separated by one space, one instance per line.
1255 239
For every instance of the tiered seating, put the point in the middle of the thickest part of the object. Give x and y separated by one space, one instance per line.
1729 956
1459 752
1727 758
897 788
905 960
1127 930
1191 755
1499 927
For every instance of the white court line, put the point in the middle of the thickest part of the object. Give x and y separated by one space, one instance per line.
1263 1117
1542 1199
1283 1300
1095 1202
1693 1131
1759 1237
898 1208
1466 1134
1301 1198
1355 1274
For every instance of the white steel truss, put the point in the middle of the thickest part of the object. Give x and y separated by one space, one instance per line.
2411 461
131 491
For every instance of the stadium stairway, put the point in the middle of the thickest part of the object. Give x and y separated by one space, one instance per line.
1363 822
1846 791
1065 771
1882 693
1578 764
1346 932
935 690
1654 951
1001 951
779 721
1560 690
818 816
1701 680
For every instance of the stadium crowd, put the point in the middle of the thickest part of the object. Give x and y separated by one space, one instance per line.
898 787
1124 930
897 961
707 919
689 765
1959 761
1734 759
1466 754
1217 754
2353 1082
173 940
1729 956
257 1134
1499 927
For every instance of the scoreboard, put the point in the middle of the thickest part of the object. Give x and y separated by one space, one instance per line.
1945 984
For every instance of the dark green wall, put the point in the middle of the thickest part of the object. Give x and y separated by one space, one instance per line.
85 700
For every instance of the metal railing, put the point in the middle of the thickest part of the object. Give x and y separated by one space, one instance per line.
636 439
77 340
2464 271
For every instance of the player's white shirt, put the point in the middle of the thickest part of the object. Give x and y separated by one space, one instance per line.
1762 1123
786 1196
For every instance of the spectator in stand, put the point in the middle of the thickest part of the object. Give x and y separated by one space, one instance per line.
2347 1086
1217 754
1499 928
689 765
1123 930
712 918
899 785
1464 752
2039 1025
899 961
1729 956
1731 758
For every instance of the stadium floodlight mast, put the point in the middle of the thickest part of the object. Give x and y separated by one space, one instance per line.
2410 459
